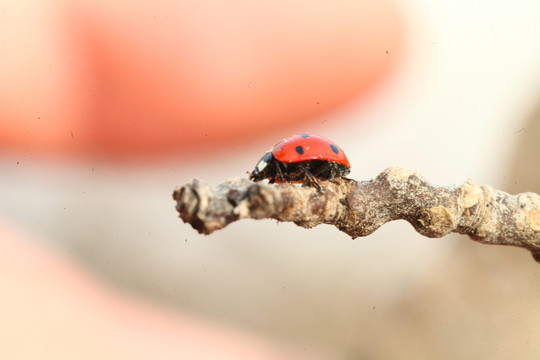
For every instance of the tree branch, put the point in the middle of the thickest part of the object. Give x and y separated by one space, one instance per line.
359 208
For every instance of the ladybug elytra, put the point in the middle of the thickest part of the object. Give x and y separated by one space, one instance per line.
304 159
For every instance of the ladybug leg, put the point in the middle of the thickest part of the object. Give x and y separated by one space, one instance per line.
333 172
349 179
280 176
311 180
342 176
322 168
331 169
336 174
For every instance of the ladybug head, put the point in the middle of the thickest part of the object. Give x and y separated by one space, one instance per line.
262 168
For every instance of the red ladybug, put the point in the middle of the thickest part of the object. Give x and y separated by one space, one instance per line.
304 159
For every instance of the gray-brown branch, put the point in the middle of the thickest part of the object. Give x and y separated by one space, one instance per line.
359 208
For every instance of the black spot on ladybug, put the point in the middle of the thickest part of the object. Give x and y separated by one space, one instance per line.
305 136
334 148
299 149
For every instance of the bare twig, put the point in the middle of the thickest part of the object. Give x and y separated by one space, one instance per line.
359 208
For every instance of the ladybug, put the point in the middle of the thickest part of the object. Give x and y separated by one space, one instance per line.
305 159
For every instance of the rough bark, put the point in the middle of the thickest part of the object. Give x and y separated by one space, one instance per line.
359 208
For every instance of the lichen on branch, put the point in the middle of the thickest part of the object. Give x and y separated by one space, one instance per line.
359 208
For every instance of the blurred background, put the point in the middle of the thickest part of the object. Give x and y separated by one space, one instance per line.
106 106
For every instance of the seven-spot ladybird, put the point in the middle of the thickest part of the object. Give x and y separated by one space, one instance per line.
304 159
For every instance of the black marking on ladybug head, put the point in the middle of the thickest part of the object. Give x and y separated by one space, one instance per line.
261 168
334 148
299 149
305 136
263 163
